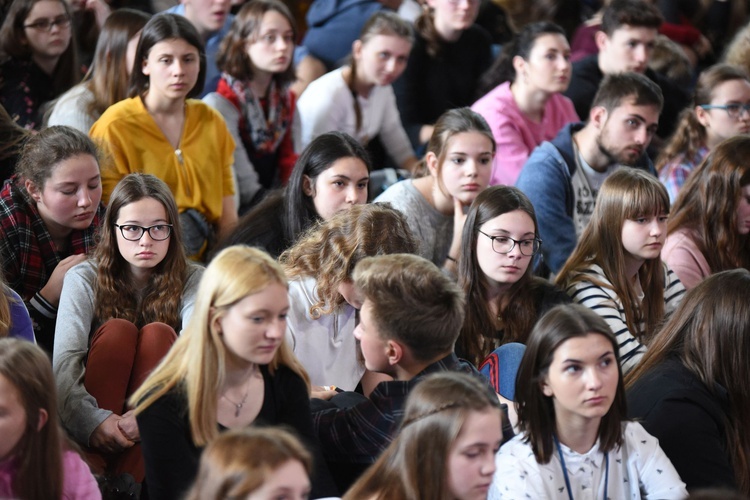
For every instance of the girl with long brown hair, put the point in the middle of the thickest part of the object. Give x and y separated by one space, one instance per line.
36 461
119 314
451 429
710 221
107 80
615 269
692 383
720 110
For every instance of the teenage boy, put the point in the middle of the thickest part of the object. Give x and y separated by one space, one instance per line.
626 42
410 319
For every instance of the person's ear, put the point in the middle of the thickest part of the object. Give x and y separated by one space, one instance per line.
394 352
702 116
43 418
356 49
601 39
214 320
431 160
546 389
307 186
144 67
33 190
598 116
519 65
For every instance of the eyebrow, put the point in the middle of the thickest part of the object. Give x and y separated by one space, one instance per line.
73 183
346 177
499 230
135 222
572 360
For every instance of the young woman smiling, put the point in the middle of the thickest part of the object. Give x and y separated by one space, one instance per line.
122 310
523 102
51 213
357 98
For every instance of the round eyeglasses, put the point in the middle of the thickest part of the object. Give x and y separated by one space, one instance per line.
506 244
158 232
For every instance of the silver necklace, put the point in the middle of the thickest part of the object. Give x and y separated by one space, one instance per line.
238 406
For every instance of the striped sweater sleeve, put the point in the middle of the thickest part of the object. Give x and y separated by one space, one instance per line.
606 304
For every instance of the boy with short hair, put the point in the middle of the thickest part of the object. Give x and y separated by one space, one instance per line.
410 319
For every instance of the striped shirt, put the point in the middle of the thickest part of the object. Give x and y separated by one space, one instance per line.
603 300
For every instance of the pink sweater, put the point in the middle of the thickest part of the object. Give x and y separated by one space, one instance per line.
516 134
78 483
682 254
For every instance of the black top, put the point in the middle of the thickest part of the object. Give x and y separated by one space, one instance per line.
585 82
172 459
24 90
688 419
431 86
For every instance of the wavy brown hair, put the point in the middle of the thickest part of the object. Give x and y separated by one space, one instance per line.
115 294
329 251
415 465
690 134
536 411
710 334
519 316
233 57
707 205
628 193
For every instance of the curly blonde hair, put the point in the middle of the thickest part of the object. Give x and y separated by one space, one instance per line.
329 251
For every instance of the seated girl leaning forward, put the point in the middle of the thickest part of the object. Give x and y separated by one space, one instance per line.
571 409
453 423
459 162
331 174
615 269
159 130
51 213
230 368
253 464
324 305
36 460
118 316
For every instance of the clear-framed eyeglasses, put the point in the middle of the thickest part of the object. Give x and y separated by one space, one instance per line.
506 244
158 232
47 24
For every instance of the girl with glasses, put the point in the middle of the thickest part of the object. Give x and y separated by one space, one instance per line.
160 130
575 441
721 109
709 226
39 56
504 300
616 269
120 313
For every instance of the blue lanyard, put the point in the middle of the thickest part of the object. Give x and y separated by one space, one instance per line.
565 471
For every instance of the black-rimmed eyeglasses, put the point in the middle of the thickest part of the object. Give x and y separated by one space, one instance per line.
158 232
506 244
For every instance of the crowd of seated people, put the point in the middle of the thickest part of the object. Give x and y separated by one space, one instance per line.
243 257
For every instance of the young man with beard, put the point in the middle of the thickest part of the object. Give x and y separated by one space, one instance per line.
563 176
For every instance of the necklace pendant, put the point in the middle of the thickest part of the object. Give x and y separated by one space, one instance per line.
238 407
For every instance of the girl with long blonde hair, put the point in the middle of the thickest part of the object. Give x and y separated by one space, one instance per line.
230 368
616 268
